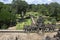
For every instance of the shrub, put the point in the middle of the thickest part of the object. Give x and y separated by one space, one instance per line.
4 26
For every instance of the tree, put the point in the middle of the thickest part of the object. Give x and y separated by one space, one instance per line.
54 10
21 7
6 16
43 9
1 6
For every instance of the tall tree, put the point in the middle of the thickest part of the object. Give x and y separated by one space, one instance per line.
54 10
20 6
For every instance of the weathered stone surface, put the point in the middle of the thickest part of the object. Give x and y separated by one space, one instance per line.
24 36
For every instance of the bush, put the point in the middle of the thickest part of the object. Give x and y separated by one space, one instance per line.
4 26
20 26
6 18
53 21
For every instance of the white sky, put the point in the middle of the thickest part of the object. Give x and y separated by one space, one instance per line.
33 1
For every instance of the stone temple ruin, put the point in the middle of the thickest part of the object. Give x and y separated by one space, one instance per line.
55 37
39 25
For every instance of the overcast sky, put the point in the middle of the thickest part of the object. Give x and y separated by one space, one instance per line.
33 1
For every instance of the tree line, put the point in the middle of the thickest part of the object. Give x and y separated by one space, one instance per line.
8 11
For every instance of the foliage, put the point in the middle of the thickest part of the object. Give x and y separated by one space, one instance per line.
6 17
20 7
52 9
4 26
20 26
